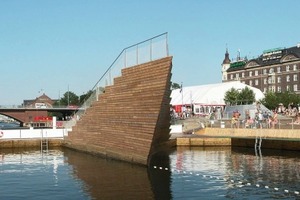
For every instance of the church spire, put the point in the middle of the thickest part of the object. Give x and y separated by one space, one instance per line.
226 59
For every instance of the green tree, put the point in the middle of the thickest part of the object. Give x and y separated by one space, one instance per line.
272 100
239 97
175 86
246 96
231 96
85 96
69 98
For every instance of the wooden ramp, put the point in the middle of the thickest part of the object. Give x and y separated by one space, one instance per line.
131 119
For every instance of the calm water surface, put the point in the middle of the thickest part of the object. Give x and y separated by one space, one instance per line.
185 173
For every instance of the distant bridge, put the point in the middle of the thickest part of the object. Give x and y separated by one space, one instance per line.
27 115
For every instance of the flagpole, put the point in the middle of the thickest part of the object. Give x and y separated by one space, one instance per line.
191 98
181 91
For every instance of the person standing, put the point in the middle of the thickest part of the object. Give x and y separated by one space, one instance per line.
274 119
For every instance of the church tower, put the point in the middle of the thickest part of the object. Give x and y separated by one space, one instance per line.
225 66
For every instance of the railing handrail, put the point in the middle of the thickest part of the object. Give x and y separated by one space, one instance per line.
123 52
142 54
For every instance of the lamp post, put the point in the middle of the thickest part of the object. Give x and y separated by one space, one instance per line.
181 91
68 96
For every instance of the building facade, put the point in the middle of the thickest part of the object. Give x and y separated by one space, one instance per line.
276 70
42 101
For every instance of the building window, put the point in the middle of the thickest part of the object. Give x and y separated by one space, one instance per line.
265 90
288 88
269 80
273 88
295 88
272 79
231 76
278 79
256 73
278 70
295 77
265 81
279 89
250 73
237 76
287 68
287 78
265 71
250 82
243 75
295 67
256 82
271 71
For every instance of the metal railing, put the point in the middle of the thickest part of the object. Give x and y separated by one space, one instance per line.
148 50
282 123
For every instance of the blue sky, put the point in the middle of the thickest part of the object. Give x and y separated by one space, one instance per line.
48 46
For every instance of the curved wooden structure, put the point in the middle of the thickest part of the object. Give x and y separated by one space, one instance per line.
132 118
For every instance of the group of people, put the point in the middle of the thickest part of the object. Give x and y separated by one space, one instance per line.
292 110
185 113
265 118
261 119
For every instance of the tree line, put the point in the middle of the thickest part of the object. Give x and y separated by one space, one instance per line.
232 97
69 98
271 99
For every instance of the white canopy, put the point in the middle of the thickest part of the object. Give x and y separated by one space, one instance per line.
212 94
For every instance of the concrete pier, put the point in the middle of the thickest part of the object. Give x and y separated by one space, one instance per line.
283 139
29 143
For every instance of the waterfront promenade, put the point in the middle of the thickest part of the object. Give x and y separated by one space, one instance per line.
195 132
201 132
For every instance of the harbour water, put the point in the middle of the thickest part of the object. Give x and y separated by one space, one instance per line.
183 173
8 125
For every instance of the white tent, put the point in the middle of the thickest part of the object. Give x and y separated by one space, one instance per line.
208 95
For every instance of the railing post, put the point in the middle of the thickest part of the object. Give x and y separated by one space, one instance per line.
167 48
151 50
109 76
137 54
97 92
125 58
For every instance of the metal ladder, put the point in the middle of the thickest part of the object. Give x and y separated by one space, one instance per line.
257 145
44 142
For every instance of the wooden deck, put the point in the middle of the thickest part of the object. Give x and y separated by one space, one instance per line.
284 139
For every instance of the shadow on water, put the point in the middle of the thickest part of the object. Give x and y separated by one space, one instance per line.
265 152
111 179
161 178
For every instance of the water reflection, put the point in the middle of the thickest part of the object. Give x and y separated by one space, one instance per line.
283 166
29 174
110 179
218 173
183 173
